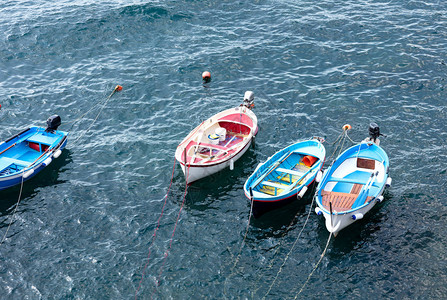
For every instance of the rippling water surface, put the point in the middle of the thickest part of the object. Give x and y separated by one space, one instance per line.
84 226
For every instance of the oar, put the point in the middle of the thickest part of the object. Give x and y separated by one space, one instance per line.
303 176
273 167
8 148
219 150
364 192
49 149
18 142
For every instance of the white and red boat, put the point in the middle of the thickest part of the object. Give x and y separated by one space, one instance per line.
218 142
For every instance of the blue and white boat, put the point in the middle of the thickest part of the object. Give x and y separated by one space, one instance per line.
28 152
354 183
285 176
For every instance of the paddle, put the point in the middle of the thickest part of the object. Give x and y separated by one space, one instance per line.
49 150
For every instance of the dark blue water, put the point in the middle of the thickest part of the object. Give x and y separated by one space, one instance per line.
84 225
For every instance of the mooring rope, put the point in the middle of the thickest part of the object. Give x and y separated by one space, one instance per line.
290 251
154 235
351 139
173 232
117 88
242 245
273 258
13 213
316 266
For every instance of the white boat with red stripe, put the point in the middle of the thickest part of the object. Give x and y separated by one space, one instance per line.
218 142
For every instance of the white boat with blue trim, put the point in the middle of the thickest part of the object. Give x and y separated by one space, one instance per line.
285 176
354 183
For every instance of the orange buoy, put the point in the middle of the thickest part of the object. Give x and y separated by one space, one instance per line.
309 160
118 88
206 76
347 127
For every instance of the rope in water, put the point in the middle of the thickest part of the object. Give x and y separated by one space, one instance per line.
316 266
173 233
273 256
338 140
154 235
117 88
290 251
242 245
13 213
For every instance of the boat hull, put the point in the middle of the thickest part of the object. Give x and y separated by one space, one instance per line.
343 220
352 186
20 160
284 177
196 172
203 152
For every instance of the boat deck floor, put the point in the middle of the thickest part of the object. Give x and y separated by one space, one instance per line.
342 201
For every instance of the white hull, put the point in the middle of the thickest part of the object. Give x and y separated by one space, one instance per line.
343 220
352 185
194 173
206 150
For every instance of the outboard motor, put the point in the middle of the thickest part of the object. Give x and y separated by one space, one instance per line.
374 132
249 99
53 123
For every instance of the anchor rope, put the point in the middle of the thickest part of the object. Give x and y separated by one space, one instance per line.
339 140
154 235
13 213
290 251
351 139
242 245
274 255
173 233
316 266
117 88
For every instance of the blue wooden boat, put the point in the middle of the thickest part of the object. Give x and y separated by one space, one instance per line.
28 152
354 183
285 176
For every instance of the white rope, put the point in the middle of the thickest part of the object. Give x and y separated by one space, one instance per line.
290 251
316 266
13 213
242 245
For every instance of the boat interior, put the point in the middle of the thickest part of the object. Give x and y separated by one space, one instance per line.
292 172
21 155
354 177
218 140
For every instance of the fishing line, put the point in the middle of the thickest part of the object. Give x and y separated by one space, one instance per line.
154 235
290 251
173 232
316 266
242 245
